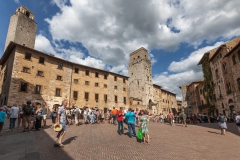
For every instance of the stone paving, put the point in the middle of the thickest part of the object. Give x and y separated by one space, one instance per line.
101 142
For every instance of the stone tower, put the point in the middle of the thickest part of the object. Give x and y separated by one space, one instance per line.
22 28
140 76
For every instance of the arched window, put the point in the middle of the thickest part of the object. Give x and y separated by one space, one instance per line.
222 106
234 59
230 101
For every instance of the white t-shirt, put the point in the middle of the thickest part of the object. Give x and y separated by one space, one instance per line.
238 119
14 112
89 111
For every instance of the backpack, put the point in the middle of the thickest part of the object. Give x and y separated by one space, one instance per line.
222 119
28 110
39 114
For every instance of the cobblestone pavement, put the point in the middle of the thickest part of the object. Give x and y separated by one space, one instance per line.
101 141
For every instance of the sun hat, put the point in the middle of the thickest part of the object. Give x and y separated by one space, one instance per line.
57 128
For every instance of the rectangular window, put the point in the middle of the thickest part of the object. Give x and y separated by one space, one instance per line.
116 99
75 94
105 76
115 87
23 87
25 69
38 89
124 100
60 65
28 56
124 89
96 84
124 81
96 74
87 72
58 92
86 82
40 73
75 80
76 70
59 77
96 97
105 97
105 86
41 60
115 78
86 96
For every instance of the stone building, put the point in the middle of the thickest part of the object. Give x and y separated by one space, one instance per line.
28 74
221 68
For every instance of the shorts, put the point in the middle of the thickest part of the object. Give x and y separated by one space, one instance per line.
44 117
27 118
238 124
33 118
63 126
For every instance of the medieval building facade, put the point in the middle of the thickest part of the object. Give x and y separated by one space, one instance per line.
28 74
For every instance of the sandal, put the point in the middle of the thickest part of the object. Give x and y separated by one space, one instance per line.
61 145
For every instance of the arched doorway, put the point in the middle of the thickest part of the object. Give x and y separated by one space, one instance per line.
232 109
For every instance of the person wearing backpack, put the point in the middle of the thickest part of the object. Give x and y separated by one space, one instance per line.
182 116
222 123
27 112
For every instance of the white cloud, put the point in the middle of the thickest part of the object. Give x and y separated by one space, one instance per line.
186 70
17 1
122 69
43 44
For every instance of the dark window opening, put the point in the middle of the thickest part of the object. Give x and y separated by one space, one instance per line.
115 87
96 74
40 73
76 70
41 60
25 69
75 94
58 92
86 82
28 56
96 84
105 97
105 86
116 99
96 97
59 77
75 80
124 100
124 81
115 78
38 89
86 95
27 14
234 59
5 75
87 72
105 76
60 65
23 87
124 89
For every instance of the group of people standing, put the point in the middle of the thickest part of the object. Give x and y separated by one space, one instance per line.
31 115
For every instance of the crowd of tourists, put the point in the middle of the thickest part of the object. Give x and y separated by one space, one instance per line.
32 117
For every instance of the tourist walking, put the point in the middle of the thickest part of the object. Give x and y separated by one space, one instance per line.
182 116
114 115
13 117
54 114
77 111
39 116
33 116
237 118
61 119
20 118
130 116
27 112
143 124
120 121
2 118
170 117
222 123
85 114
45 113
136 112
92 117
161 118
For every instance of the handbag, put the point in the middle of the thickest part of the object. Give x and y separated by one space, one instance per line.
139 134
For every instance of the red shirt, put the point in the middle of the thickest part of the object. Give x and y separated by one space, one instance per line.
119 115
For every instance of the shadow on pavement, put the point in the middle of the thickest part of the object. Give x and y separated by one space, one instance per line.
69 140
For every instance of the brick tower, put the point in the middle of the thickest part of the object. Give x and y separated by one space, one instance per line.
22 28
140 76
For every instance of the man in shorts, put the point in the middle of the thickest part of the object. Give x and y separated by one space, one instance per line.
27 113
45 113
61 119
182 116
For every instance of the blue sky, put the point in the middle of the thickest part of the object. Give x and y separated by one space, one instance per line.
103 33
